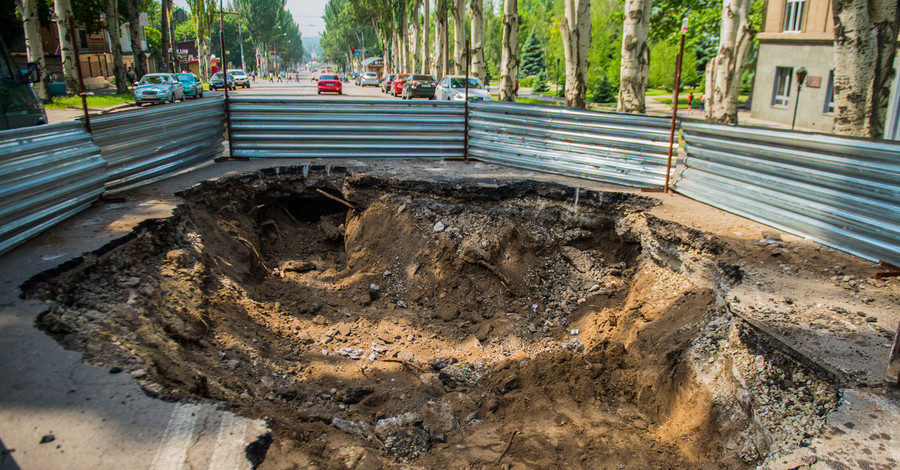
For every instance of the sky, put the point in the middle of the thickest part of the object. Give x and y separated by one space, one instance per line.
307 14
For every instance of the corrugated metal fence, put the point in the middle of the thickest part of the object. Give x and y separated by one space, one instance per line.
144 145
345 128
47 174
626 149
841 192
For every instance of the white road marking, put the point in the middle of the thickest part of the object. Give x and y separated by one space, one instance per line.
229 452
176 441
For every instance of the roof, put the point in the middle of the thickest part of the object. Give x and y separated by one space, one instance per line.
368 61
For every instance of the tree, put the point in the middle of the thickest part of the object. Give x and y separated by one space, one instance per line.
442 38
166 30
533 61
604 91
725 71
426 50
28 11
476 9
459 36
541 84
575 28
203 13
865 38
635 57
63 11
112 24
140 64
509 61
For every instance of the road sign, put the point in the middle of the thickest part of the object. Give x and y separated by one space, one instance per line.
258 56
143 20
357 53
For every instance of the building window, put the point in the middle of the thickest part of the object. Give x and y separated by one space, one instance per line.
793 15
781 94
829 94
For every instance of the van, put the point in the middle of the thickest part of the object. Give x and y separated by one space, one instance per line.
19 105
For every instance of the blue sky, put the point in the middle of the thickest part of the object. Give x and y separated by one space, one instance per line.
307 14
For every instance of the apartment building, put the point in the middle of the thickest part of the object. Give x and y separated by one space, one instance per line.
800 34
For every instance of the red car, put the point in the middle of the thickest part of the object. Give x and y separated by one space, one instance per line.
330 84
397 85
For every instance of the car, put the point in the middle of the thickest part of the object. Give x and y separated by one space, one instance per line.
158 88
330 83
369 79
397 85
218 81
387 82
453 87
241 79
419 85
19 104
193 87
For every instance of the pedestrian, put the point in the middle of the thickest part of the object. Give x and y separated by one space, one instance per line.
215 69
130 77
690 102
253 76
702 103
516 89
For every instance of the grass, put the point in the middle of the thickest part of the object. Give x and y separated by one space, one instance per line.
683 102
93 101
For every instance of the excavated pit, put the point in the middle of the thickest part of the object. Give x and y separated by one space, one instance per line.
377 322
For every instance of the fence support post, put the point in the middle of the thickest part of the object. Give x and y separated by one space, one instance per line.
684 24
87 117
466 106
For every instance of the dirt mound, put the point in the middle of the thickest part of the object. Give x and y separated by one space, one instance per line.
378 322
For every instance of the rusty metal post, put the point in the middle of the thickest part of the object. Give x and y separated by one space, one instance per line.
466 106
684 24
74 39
893 369
225 76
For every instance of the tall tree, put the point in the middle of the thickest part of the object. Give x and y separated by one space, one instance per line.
166 28
476 9
442 39
28 11
204 14
137 51
532 56
724 72
459 36
635 57
417 36
575 27
509 61
865 39
115 44
426 50
63 11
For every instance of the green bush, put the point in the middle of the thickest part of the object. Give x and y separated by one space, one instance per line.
526 82
603 92
541 84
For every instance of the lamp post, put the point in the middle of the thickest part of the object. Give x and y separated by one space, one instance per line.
557 76
801 76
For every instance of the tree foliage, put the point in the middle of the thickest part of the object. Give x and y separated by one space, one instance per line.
532 56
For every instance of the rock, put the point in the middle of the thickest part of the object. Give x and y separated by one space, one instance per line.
460 375
320 320
352 396
267 381
407 442
442 362
350 353
47 438
303 337
386 273
438 227
401 304
509 386
574 345
331 232
296 266
232 363
343 329
374 292
139 373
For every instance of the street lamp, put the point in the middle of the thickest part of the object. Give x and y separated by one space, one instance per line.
801 76
557 76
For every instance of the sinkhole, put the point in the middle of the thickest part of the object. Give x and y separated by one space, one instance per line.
382 322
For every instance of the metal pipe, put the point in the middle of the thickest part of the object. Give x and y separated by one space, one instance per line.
87 117
225 73
684 24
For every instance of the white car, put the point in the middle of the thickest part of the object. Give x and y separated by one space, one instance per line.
453 88
369 79
241 79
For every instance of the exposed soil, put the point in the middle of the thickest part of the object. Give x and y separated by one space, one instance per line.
383 323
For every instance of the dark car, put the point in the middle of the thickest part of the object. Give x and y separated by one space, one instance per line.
193 87
19 105
397 85
419 85
218 81
386 84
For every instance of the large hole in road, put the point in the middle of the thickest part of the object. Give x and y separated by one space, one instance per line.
377 322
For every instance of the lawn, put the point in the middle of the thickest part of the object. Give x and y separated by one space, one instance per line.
93 101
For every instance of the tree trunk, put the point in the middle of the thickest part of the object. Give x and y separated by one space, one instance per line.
63 10
476 9
509 60
115 45
575 27
134 19
635 57
459 36
728 65
442 39
166 28
426 40
32 25
404 39
417 43
865 38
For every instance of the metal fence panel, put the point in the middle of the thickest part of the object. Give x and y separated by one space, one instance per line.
146 145
345 128
840 192
47 174
627 149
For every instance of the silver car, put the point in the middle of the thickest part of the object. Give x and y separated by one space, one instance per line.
158 88
241 79
453 87
369 79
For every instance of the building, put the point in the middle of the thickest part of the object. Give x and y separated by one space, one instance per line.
800 34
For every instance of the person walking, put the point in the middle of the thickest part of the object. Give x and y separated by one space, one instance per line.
690 102
130 77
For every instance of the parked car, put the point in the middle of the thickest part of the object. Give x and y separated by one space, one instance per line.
193 87
397 85
387 83
241 79
218 81
419 85
369 79
19 105
330 83
453 87
158 88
